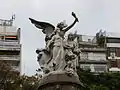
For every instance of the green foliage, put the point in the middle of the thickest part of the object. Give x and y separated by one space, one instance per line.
29 83
7 74
101 81
91 81
100 40
22 83
10 80
95 87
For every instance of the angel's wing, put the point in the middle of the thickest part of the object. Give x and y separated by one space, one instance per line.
47 28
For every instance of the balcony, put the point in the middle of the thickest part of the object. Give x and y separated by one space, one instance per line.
7 46
9 41
87 43
10 57
113 58
93 49
8 30
93 62
92 56
95 67
93 59
117 45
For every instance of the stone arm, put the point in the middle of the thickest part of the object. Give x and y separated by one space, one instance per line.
67 46
69 27
76 20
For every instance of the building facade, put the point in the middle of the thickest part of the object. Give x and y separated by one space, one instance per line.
113 49
10 47
110 41
92 56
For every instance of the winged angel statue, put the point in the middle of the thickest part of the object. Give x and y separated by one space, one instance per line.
53 56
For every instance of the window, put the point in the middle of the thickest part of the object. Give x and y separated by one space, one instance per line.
85 67
1 37
84 56
113 63
9 52
111 52
118 52
112 49
113 40
11 38
100 68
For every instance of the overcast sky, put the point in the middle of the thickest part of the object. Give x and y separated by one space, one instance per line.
93 15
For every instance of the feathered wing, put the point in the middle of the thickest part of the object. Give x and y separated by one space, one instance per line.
47 28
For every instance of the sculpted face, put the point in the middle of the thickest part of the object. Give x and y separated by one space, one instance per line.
61 25
58 30
70 36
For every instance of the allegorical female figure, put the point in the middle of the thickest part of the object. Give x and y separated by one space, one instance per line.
54 50
70 46
57 61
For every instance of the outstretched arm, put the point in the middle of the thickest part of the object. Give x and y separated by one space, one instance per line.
76 20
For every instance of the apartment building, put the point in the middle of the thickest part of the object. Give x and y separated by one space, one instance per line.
92 56
10 47
111 41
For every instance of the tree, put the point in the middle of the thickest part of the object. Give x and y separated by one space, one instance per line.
99 81
6 74
11 80
29 83
100 40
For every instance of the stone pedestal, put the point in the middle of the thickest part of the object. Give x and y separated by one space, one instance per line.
60 81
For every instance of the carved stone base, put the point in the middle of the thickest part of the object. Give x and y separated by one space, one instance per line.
60 81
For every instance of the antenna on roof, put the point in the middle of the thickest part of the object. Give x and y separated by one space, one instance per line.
13 17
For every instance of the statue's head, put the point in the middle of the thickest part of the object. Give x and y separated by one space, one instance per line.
61 25
57 30
71 36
